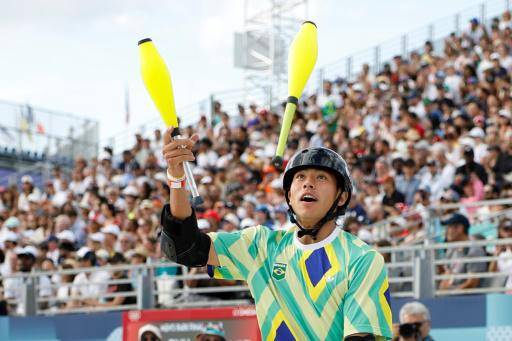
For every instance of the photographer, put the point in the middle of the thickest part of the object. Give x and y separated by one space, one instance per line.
414 323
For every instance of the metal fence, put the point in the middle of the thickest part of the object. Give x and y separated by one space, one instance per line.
413 272
41 134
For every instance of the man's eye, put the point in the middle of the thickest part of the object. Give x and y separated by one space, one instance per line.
322 177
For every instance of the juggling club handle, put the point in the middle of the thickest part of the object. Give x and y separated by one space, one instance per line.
196 198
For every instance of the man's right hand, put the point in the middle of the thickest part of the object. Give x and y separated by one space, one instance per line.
176 151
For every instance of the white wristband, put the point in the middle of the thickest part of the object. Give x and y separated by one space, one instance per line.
174 179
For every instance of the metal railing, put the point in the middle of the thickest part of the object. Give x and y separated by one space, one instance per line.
413 272
384 229
46 133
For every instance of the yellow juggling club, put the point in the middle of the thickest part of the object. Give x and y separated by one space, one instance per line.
301 61
157 79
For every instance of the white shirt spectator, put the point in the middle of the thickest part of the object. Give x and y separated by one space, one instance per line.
437 183
505 266
13 290
506 62
207 159
78 187
23 199
224 160
60 198
92 286
453 82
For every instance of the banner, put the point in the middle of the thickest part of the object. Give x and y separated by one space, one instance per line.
237 323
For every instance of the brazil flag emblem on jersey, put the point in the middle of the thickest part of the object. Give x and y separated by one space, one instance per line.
279 271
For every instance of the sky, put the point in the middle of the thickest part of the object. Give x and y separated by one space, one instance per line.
79 56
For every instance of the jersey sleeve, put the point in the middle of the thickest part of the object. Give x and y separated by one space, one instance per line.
239 253
366 307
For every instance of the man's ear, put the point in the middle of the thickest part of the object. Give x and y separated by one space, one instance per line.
343 199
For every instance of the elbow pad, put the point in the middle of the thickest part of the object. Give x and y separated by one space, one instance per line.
182 242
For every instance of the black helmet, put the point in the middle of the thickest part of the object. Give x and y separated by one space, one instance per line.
319 158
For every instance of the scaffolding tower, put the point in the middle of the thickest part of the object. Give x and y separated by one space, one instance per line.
261 49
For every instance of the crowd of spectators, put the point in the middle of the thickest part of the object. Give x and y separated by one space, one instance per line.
433 127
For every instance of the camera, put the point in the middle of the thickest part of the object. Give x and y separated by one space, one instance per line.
409 330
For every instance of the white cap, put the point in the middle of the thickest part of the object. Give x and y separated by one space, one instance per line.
203 224
365 235
357 87
485 65
112 229
150 328
27 179
12 222
477 132
102 253
232 218
131 191
356 132
504 113
10 236
206 180
247 222
422 144
27 250
146 203
276 183
97 237
66 235
82 251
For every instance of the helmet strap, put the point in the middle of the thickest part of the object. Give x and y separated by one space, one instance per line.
313 232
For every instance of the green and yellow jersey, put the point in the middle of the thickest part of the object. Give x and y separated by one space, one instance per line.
322 291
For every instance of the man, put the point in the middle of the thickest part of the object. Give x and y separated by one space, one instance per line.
88 287
211 332
470 166
313 281
457 229
414 322
408 183
26 263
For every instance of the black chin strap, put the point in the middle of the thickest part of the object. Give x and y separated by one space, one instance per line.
331 214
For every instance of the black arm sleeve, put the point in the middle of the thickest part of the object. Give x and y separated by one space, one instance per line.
181 241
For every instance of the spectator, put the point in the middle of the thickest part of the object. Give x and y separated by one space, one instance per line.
115 288
504 254
470 166
409 182
211 332
457 230
26 262
149 332
415 322
392 196
88 287
110 233
64 291
28 189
